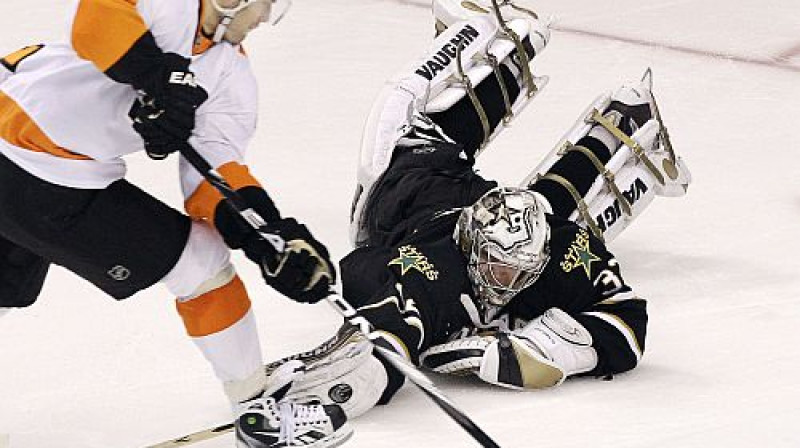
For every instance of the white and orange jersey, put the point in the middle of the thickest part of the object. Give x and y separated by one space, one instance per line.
63 119
62 116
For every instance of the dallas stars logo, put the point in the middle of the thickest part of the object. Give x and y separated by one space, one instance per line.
579 255
411 258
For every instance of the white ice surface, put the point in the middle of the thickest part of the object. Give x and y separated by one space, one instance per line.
719 267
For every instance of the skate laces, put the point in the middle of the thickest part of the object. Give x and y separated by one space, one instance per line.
294 415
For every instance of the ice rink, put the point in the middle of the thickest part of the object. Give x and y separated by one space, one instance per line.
719 267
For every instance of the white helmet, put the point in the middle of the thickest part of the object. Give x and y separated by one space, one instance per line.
277 11
504 236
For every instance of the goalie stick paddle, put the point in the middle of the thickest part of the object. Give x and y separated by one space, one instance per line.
344 308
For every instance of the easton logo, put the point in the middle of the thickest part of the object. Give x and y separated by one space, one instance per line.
613 212
182 78
447 53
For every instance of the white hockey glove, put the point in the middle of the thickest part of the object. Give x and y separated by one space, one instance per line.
542 354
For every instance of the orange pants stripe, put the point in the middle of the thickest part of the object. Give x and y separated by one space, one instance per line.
216 310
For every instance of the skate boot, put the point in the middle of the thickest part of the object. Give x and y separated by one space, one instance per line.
274 420
341 371
631 106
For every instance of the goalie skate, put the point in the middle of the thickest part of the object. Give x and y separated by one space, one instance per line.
339 371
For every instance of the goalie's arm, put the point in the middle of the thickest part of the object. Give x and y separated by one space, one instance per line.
618 326
550 348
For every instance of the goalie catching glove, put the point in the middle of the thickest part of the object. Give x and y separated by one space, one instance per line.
541 354
303 271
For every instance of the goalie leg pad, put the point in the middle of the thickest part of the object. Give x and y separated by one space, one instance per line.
340 371
636 163
404 96
437 83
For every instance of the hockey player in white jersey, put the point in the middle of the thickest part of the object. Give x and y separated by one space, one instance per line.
514 285
125 83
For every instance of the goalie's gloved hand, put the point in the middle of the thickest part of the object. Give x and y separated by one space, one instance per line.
165 115
303 272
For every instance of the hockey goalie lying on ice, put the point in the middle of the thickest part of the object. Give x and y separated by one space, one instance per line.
512 284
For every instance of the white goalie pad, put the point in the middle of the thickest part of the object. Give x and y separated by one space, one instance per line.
480 67
434 83
643 167
403 97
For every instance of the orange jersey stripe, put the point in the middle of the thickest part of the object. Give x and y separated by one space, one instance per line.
202 203
17 128
201 42
215 311
104 30
11 60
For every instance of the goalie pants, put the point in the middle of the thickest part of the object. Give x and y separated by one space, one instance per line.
119 238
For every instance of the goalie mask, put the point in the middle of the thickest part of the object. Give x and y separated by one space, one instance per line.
504 236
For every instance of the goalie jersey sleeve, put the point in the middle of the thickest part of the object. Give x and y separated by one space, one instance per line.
583 278
412 290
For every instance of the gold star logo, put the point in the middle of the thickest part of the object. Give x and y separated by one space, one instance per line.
410 258
406 262
579 254
585 260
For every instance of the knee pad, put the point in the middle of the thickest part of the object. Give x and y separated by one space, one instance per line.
203 266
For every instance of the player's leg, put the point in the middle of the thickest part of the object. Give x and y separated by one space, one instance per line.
124 240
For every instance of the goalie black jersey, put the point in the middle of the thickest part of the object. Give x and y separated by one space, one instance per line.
412 279
583 278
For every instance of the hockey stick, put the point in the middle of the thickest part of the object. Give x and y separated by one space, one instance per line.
196 437
347 311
